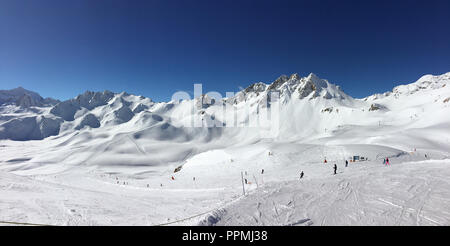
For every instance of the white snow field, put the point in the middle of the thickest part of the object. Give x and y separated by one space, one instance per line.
107 158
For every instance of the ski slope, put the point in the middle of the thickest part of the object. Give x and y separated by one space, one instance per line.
410 193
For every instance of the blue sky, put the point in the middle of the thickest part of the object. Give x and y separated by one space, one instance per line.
155 48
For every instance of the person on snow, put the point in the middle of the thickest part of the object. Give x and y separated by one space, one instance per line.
173 178
262 171
346 163
335 168
245 181
387 161
301 175
325 161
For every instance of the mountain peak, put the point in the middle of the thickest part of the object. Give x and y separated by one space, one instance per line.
312 75
23 98
278 82
256 87
434 78
426 82
294 76
314 78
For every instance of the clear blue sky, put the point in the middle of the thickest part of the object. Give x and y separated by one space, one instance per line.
154 48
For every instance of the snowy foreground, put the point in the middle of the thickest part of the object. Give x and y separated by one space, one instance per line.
412 191
109 159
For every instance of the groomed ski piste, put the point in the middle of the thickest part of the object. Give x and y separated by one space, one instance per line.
109 158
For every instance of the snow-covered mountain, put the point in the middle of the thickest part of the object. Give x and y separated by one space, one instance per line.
312 105
99 142
24 98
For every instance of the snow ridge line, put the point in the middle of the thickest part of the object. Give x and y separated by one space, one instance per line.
137 146
198 215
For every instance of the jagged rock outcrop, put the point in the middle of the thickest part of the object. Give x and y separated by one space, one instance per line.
88 100
24 98
256 88
310 86
139 108
123 114
376 106
204 101
278 82
88 120
92 100
446 100
302 100
329 110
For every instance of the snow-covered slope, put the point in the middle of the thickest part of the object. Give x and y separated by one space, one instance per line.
313 106
24 98
125 148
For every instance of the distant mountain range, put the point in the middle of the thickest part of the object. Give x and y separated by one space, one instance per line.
309 106
25 98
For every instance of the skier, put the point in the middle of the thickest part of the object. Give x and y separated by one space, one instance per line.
346 163
335 168
325 161
387 161
301 175
246 181
384 161
262 171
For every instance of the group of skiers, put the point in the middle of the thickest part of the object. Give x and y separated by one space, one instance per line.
334 168
385 162
245 179
173 178
117 181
